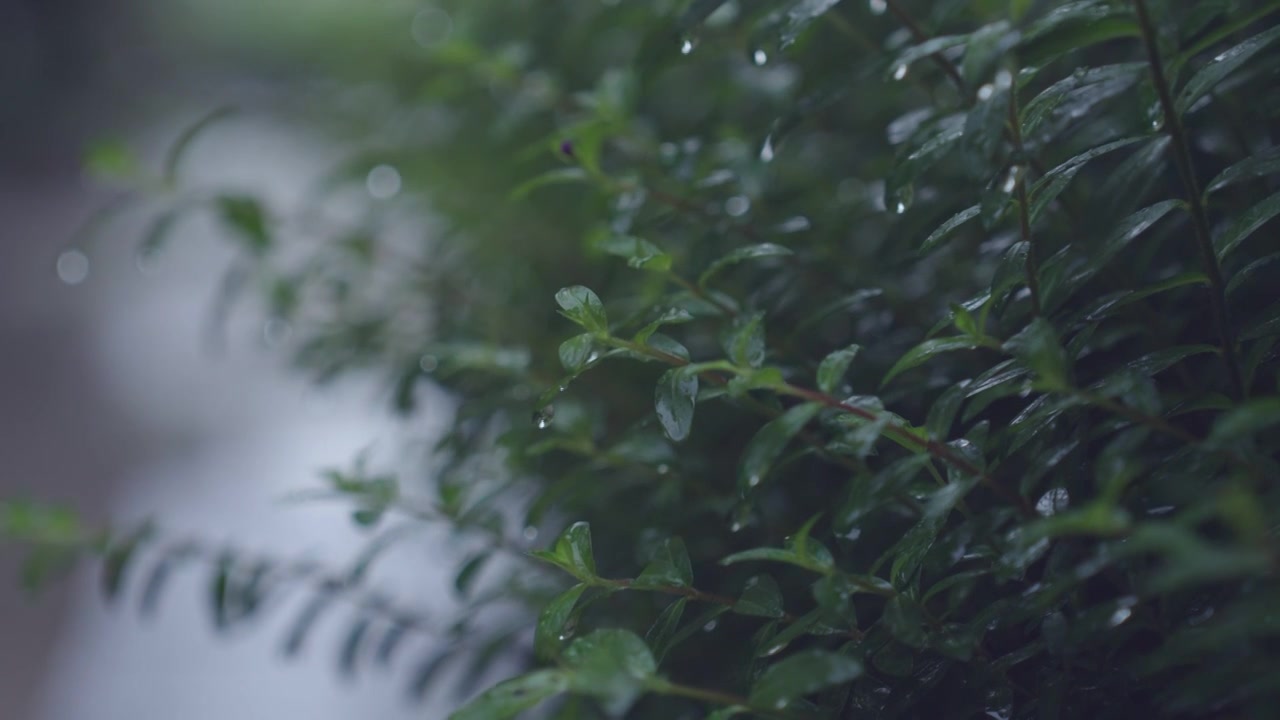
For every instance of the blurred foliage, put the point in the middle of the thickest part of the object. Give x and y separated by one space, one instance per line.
912 358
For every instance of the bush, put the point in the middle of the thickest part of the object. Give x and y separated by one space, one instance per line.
914 359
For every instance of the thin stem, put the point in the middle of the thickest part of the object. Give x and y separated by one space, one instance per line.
1200 220
1024 213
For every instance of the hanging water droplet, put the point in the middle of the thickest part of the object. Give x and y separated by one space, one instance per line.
663 469
1004 80
900 71
428 363
711 625
986 91
530 533
737 206
542 418
594 356
1119 616
766 150
1011 179
877 7
686 46
735 527
759 57
73 267
753 481
902 198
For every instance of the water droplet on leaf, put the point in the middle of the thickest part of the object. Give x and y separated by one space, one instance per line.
663 469
542 418
877 7
900 71
1011 179
709 626
986 91
737 206
766 150
759 57
686 46
383 182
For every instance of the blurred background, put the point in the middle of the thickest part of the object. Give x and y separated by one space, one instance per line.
117 395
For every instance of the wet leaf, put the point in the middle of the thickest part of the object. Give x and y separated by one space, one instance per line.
575 351
244 215
760 597
742 254
927 350
768 443
833 367
613 665
663 630
1222 65
572 552
670 567
744 340
1258 165
802 674
674 399
549 634
583 307
1245 224
944 231
511 697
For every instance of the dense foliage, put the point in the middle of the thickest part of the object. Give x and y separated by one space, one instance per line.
911 358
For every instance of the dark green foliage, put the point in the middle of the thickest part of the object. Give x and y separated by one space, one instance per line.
928 366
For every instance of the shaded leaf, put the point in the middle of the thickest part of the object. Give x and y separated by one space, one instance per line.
583 307
761 598
802 674
768 443
549 633
1222 65
1246 223
748 252
670 567
833 367
674 399
509 698
925 351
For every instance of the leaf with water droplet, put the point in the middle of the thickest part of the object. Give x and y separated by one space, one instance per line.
1258 165
1037 347
675 397
572 552
926 351
1075 26
575 351
769 442
906 171
760 598
742 254
944 231
833 367
509 698
670 567
613 665
1053 182
640 254
802 674
984 48
800 16
583 307
1076 94
549 634
1222 65
697 13
743 340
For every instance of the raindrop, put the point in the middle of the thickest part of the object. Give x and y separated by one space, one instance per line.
903 197
663 469
428 363
542 418
430 26
753 481
1119 616
766 150
73 267
780 704
759 57
667 151
877 7
796 224
774 650
686 46
986 91
531 533
900 71
709 626
737 206
383 182
1004 80
735 527
1011 180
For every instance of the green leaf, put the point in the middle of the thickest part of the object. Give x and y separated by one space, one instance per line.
675 396
1257 165
1051 185
905 620
744 340
640 254
760 598
800 16
1246 223
909 169
925 351
575 351
697 12
1246 420
663 630
1222 65
612 665
509 698
802 674
1075 26
768 443
670 567
945 230
942 413
558 176
548 636
583 307
572 552
1038 348
748 252
833 367
669 317
1075 95
245 216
